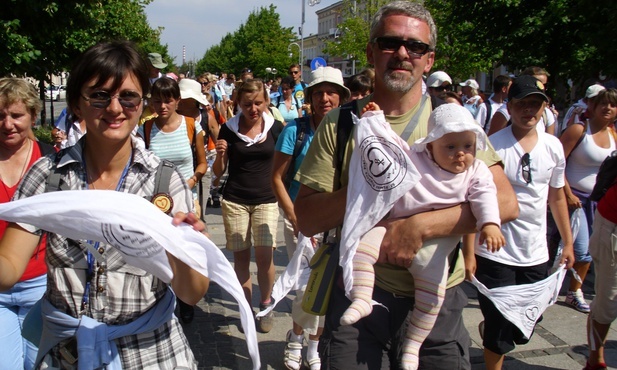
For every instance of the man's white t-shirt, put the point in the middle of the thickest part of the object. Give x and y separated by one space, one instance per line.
526 236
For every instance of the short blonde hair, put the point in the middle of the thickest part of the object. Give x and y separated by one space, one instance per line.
14 90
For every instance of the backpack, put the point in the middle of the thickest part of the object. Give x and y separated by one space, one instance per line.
303 130
487 120
607 177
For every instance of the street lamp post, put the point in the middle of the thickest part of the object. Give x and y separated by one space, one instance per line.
299 55
301 46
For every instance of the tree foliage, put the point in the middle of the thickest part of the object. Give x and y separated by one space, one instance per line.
44 37
259 43
572 39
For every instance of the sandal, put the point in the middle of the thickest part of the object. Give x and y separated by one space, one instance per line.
293 353
315 363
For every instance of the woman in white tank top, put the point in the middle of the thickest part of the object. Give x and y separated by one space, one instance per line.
583 162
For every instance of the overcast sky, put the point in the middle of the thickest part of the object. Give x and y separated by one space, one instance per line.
200 24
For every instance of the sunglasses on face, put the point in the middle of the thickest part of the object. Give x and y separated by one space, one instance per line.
443 88
294 72
102 99
526 167
413 47
204 83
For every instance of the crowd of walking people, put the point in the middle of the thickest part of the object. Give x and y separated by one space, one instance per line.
418 183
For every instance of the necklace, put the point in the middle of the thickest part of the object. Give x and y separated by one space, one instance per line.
21 173
109 187
115 184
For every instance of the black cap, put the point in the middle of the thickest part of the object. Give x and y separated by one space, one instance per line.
524 86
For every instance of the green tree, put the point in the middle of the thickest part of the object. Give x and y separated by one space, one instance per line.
352 33
259 43
43 37
570 38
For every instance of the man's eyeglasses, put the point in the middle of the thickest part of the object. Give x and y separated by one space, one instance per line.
102 99
526 167
294 72
413 47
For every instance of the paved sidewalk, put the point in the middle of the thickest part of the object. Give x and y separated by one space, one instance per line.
559 341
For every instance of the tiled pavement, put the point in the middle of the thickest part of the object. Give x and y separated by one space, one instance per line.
559 341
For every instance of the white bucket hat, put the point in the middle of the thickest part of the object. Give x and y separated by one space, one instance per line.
191 89
327 74
449 118
437 79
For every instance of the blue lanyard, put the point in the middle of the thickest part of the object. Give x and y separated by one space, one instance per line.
89 257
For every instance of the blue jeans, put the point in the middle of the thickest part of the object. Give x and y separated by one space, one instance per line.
581 242
15 351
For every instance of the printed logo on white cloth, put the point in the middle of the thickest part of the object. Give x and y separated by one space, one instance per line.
131 242
383 163
531 314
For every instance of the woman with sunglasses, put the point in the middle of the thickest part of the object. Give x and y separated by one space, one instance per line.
534 164
106 89
586 145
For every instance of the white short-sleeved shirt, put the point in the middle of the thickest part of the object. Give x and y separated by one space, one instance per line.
526 236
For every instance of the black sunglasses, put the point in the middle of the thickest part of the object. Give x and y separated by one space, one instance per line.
413 47
443 88
102 99
526 167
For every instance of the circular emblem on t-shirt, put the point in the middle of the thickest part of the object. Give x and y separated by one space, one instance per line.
383 163
300 95
130 241
164 202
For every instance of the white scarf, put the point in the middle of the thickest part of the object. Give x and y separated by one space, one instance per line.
296 273
139 231
234 124
523 304
380 173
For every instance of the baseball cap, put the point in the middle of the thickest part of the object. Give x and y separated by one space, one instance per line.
437 79
524 86
593 90
471 83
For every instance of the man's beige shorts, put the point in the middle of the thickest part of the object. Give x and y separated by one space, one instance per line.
243 221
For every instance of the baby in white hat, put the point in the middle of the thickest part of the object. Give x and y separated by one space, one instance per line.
450 175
